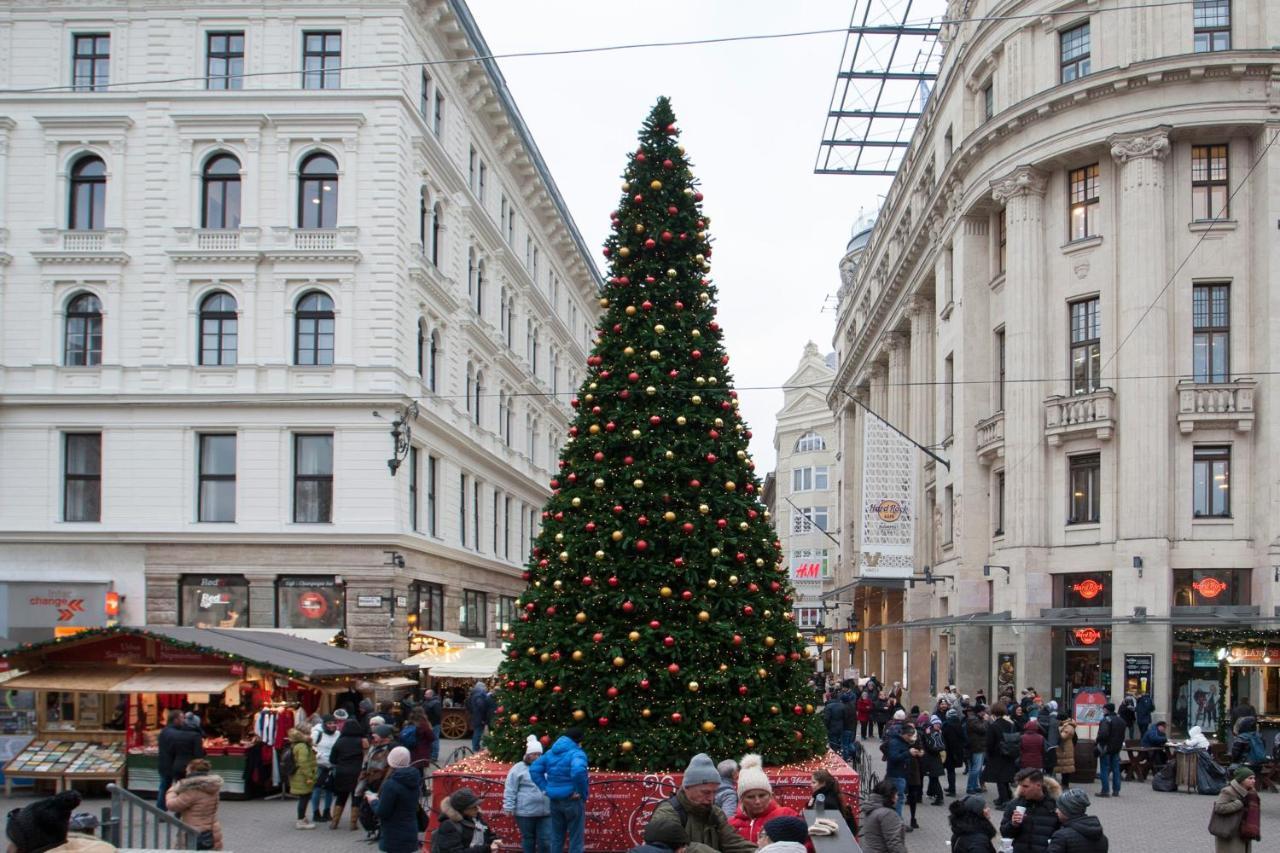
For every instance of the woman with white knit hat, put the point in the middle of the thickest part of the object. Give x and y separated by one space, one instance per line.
527 803
756 805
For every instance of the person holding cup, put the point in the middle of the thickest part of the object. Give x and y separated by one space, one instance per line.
1030 819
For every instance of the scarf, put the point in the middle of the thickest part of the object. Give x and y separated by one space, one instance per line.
1251 826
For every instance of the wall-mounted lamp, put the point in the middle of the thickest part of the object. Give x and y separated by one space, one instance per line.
986 571
394 558
1137 564
401 432
1277 574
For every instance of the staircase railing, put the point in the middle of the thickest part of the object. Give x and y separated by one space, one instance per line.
133 822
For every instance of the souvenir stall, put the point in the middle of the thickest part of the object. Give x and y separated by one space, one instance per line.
102 697
453 664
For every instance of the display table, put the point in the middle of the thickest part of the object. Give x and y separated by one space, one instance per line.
144 773
64 762
621 803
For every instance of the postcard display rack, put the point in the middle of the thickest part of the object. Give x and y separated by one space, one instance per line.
65 762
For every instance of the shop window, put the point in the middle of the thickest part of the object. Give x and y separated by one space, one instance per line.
213 601
473 618
506 613
1211 587
310 602
430 606
1085 497
1082 589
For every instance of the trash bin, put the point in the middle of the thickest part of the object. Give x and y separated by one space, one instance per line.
1187 769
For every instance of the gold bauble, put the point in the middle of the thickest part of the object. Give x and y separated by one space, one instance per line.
744 527
730 486
711 380
733 579
539 684
629 351
689 192
646 713
625 746
750 742
719 423
695 334
593 386
626 187
708 726
577 654
700 380
767 515
638 483
594 429
619 661
639 229
616 536
759 560
665 592
557 584
651 390
654 355
544 657
660 329
713 583
577 502
559 537
681 420
769 641
515 718
768 614
669 455
668 516
635 433
699 258
693 686
589 398
531 651
704 616
761 672
579 715
633 636
774 709
671 273
715 552
630 310
704 509
808 709
580 617
599 483
564 556
742 454
599 555
655 185
696 400
624 252
724 667
604 302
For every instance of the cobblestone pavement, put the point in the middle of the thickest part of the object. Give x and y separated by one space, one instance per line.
1140 821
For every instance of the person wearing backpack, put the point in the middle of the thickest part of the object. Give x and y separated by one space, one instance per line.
1247 746
1004 745
298 766
1110 742
419 738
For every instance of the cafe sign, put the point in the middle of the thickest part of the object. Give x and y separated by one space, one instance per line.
1254 656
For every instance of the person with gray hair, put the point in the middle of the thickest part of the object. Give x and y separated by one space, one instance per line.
727 793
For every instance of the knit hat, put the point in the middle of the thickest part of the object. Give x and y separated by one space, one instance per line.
384 731
574 734
751 775
935 720
463 799
899 714
1053 705
787 829
1073 802
341 714
398 757
922 721
1242 773
365 706
700 771
42 824
668 832
532 745
974 804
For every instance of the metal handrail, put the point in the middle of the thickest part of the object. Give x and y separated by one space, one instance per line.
134 822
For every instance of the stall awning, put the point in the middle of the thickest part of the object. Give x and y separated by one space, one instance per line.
466 663
82 679
177 680
451 638
396 681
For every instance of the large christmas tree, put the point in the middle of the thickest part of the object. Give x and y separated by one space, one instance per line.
658 615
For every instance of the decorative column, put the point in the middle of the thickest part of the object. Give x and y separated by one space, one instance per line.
1141 313
898 388
1022 194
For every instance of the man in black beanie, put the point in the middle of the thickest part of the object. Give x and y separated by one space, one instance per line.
42 824
784 835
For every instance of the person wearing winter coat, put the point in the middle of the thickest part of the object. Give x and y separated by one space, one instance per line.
915 774
194 800
956 744
1143 709
561 774
756 804
881 712
323 737
694 808
999 768
381 740
462 828
1128 714
1031 747
303 781
526 802
418 736
971 829
1231 813
1247 746
882 830
784 835
1037 796
434 709
1080 832
833 716
863 709
43 825
975 732
931 762
897 763
1066 762
178 744
663 838
1109 744
347 757
396 805
479 713
850 729
727 792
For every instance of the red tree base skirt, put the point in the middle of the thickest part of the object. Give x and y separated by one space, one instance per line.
620 803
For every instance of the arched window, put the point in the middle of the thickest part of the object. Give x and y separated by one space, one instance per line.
809 442
475 410
503 320
437 222
313 330
470 391
479 304
88 194
555 371
503 424
221 192
318 192
82 346
218 329
433 361
422 349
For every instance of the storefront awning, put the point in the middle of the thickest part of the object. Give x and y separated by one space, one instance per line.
176 680
72 679
451 638
467 663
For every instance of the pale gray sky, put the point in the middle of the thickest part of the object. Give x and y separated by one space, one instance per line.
750 113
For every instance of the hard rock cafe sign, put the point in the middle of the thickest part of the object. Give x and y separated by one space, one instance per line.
1209 587
1088 589
1088 636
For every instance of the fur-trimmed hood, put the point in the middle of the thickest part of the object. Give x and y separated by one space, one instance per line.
1052 788
209 783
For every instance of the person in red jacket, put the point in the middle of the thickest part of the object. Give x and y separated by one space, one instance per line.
863 707
756 805
1031 754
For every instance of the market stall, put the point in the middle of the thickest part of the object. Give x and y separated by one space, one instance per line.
453 664
102 696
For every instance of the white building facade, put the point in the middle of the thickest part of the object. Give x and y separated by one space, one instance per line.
1069 294
805 489
210 285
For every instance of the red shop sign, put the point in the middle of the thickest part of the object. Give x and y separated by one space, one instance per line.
1088 588
1088 636
1209 587
312 605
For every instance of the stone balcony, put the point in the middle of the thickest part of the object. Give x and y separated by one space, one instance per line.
990 438
215 245
315 244
73 245
1216 405
1091 415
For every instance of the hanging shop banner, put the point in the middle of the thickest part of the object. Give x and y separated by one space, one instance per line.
888 502
1137 673
1007 674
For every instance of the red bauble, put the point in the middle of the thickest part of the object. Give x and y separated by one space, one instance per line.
530 606
638 199
742 691
751 587
643 520
574 402
746 721
624 394
737 639
603 721
671 128
586 580
697 196
610 426
655 624
640 158
667 164
674 669
780 658
711 458
748 610
598 456
687 527
555 689
647 305
654 420
798 710
545 740
551 610
633 377
650 243
613 580
675 717
612 692
679 305
741 558
713 433
696 354
695 484
523 685
687 595
774 586
722 523
642 545
533 720
524 576
672 210
627 607
597 637
511 685
678 562
644 684
666 236
617 509
668 641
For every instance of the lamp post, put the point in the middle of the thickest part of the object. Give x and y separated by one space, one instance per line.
820 640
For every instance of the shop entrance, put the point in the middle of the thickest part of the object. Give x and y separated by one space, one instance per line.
1084 669
1082 659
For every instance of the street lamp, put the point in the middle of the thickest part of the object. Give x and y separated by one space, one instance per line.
851 634
820 640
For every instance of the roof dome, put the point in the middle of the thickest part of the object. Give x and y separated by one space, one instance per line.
860 234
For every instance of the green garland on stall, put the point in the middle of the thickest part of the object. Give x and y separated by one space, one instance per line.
1247 638
116 630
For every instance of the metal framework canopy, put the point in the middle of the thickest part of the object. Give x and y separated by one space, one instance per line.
887 71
